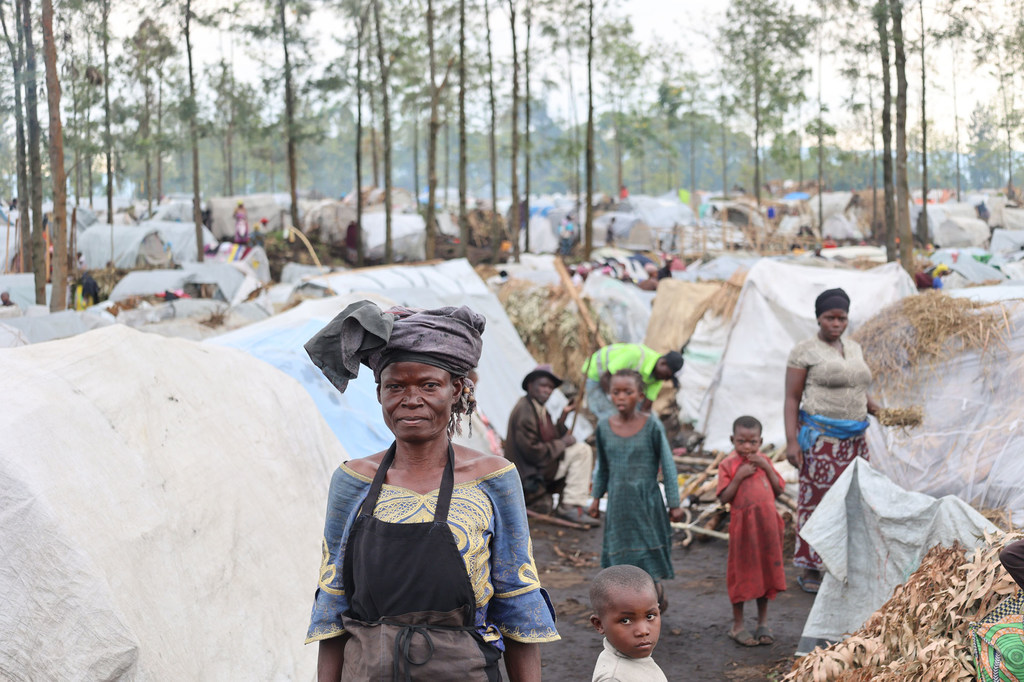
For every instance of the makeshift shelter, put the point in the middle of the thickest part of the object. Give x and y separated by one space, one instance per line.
957 231
180 239
401 198
962 363
328 221
678 307
253 256
623 309
355 416
408 236
964 264
174 210
141 523
133 247
11 337
195 319
22 288
257 206
871 534
774 312
1007 241
60 325
231 283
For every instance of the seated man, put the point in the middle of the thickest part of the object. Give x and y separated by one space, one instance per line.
654 369
545 452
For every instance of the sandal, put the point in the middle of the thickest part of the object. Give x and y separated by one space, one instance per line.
743 638
763 635
809 585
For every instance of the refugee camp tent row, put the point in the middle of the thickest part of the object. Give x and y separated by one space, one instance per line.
231 283
776 310
168 529
355 415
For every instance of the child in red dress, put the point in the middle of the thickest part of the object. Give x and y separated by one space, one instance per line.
748 481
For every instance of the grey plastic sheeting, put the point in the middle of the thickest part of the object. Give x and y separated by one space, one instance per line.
871 535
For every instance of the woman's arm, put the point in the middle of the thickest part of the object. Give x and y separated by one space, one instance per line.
796 378
330 659
522 661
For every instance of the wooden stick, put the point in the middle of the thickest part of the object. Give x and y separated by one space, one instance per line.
555 521
699 461
563 273
700 530
693 485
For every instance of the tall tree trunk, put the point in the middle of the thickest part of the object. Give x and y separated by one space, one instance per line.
723 111
416 156
108 138
882 22
19 139
76 132
146 135
757 141
956 122
229 138
159 139
528 16
463 217
359 136
447 156
821 131
496 236
922 218
59 226
515 134
289 118
432 131
193 133
1008 114
693 157
588 243
374 145
874 153
34 163
389 255
902 188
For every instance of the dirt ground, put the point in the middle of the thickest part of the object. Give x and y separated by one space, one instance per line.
694 636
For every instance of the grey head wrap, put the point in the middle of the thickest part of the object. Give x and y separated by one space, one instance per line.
448 338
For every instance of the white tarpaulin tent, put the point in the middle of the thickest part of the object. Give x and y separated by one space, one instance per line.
257 206
230 282
408 236
168 528
871 534
134 246
774 312
60 325
957 231
355 416
179 238
970 441
1007 241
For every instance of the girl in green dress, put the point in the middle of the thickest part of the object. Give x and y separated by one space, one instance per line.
631 447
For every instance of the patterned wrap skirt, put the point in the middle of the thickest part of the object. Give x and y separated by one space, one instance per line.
823 464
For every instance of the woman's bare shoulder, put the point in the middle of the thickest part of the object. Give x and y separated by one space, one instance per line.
474 464
366 466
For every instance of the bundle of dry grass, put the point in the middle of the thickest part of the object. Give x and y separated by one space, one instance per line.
901 416
723 302
550 325
918 331
921 633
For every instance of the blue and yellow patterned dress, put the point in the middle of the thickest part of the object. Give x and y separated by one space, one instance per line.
488 520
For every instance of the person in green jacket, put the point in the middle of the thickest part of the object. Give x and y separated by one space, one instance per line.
653 367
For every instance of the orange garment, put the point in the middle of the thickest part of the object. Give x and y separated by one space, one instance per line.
754 568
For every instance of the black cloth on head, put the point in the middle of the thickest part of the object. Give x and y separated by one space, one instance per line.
831 299
448 338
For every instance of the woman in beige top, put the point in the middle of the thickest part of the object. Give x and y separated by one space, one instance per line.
826 410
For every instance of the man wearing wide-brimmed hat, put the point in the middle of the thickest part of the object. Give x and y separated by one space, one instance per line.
544 451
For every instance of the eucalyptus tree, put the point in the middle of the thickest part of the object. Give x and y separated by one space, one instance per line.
34 163
514 154
588 242
763 41
621 60
906 237
190 112
14 46
59 226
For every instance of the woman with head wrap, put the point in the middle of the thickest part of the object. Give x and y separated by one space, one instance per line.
826 410
427 566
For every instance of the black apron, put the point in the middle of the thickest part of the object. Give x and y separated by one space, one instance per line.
411 605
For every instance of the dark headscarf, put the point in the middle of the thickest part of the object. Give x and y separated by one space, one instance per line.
447 338
831 299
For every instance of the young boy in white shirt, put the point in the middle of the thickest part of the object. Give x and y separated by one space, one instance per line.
626 612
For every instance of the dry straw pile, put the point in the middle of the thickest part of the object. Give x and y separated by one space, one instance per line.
921 633
919 331
901 416
550 325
